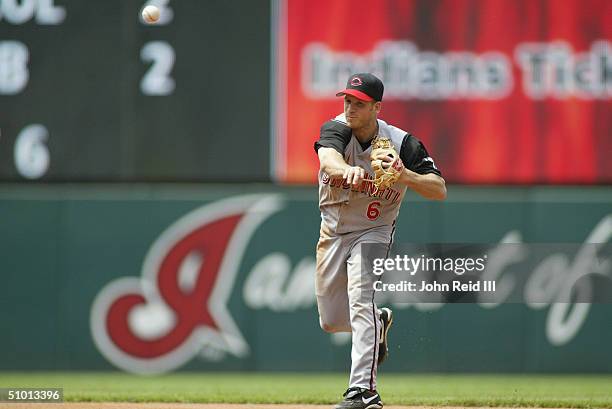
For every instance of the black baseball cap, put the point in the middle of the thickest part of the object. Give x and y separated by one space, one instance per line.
364 86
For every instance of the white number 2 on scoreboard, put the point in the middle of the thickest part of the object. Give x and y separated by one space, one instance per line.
157 80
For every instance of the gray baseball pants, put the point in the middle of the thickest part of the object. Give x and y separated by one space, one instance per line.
345 296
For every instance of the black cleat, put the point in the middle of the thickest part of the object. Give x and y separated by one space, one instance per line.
359 398
386 315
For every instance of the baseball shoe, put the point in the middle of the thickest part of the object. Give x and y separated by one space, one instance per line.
359 398
386 315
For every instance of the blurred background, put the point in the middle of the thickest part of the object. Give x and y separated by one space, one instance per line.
158 200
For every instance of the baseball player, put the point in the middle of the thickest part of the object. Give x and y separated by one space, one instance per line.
362 181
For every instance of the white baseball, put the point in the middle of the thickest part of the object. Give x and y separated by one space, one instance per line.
150 14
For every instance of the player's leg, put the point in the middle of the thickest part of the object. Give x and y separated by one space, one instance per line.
386 316
366 323
331 284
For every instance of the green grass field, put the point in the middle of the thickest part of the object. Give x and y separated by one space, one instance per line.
577 391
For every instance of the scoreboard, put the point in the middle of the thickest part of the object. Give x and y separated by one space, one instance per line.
90 92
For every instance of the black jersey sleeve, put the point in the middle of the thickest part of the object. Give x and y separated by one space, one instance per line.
334 134
415 156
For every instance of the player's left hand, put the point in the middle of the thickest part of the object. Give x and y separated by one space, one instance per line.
384 156
386 163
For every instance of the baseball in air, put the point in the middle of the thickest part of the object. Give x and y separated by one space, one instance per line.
150 14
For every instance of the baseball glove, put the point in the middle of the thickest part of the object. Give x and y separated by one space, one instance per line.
385 173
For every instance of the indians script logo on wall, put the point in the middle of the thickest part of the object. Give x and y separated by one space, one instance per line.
504 92
159 321
177 308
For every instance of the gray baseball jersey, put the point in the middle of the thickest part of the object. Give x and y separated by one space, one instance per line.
350 217
346 209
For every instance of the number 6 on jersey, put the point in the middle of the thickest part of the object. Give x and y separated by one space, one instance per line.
373 210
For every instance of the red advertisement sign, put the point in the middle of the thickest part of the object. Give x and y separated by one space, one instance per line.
500 91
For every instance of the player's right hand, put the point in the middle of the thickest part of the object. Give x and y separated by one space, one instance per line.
353 175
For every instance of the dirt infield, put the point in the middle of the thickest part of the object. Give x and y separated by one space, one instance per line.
125 405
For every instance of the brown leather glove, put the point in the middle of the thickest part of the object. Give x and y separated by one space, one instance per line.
385 173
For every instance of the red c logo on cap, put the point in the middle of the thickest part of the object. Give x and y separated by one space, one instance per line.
355 82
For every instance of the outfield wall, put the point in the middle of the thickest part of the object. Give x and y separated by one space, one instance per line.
157 278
